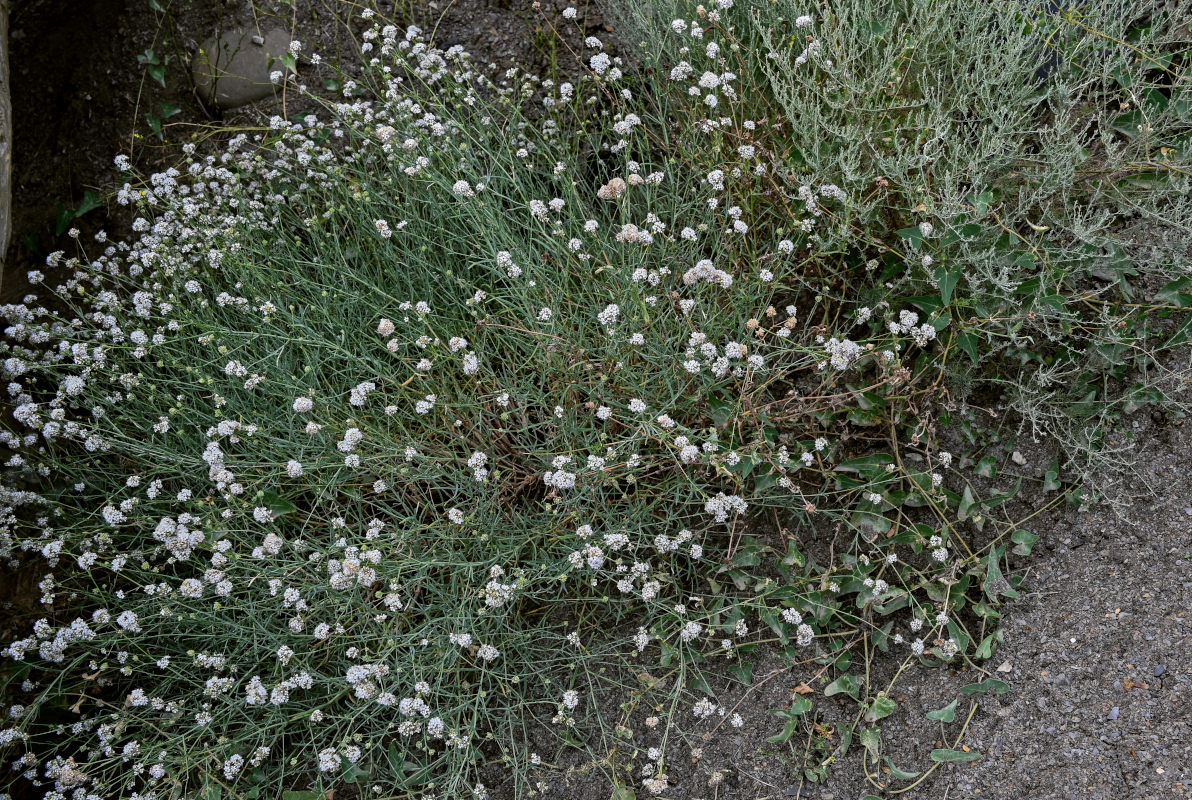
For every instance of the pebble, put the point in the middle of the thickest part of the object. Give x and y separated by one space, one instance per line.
1018 458
1159 670
233 69
1113 714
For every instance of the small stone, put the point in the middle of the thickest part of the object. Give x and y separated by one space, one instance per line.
1113 714
1006 666
1062 680
1018 458
233 70
1159 670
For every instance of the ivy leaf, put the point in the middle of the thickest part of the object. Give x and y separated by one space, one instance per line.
699 681
981 204
1051 479
799 707
742 672
882 707
720 411
871 740
967 342
1177 293
277 504
844 684
65 217
945 714
995 583
353 773
1024 541
947 280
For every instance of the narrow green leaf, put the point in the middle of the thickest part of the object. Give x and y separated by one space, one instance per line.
954 756
65 216
966 503
395 760
788 730
900 774
992 685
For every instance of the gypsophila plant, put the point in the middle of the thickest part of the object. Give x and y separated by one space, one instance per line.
403 434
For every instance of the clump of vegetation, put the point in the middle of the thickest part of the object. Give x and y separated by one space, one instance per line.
404 435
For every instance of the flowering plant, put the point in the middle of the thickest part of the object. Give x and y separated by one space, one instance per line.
394 430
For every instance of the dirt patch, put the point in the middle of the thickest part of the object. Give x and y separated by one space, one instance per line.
1095 654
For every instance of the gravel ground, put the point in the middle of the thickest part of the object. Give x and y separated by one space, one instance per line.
1097 653
1100 652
